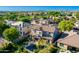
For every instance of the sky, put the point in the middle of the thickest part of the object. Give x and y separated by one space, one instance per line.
39 8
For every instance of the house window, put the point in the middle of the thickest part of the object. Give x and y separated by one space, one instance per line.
45 33
51 34
23 25
20 25
24 33
20 28
20 33
61 44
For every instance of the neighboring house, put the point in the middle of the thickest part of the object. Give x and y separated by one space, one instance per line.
40 30
9 22
77 24
39 21
43 21
76 27
69 43
69 17
50 20
33 22
19 25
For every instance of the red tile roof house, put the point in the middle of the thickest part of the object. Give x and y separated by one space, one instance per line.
69 43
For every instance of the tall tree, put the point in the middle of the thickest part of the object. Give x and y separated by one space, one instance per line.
3 26
25 18
11 34
66 25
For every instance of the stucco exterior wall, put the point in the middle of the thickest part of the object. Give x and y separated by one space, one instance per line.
64 46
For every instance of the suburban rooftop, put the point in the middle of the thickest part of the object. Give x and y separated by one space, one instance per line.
43 27
17 23
72 40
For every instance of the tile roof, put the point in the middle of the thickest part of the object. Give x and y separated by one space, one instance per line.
72 40
38 27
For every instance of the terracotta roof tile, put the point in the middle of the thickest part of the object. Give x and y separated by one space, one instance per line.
72 40
43 27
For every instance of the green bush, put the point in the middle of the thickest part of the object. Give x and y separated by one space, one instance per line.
8 47
11 34
49 49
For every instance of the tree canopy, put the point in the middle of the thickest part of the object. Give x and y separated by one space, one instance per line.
77 15
41 42
25 18
49 49
11 34
65 25
54 13
3 26
11 16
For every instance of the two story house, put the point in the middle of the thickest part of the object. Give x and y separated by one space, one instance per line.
42 31
77 24
18 25
39 21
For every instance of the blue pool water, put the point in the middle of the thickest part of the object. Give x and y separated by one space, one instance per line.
31 47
